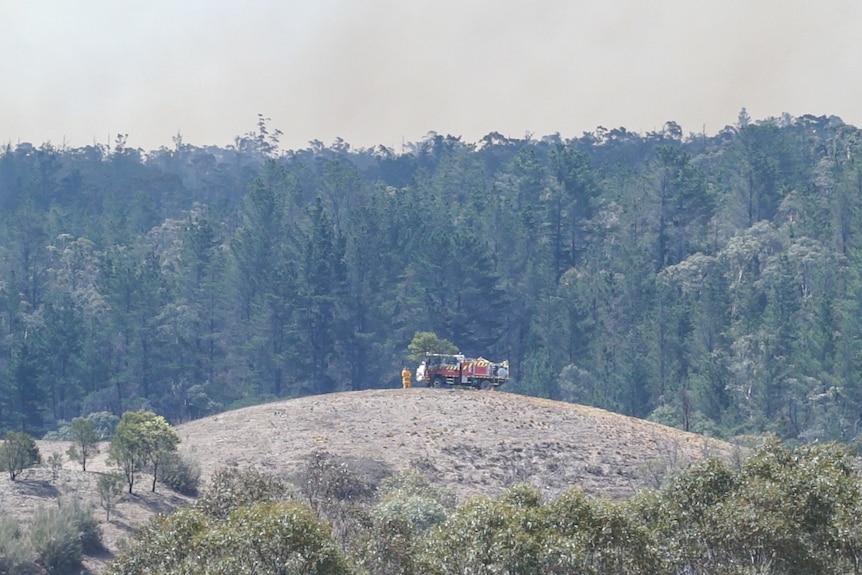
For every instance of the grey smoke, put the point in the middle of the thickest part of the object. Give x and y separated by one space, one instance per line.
374 71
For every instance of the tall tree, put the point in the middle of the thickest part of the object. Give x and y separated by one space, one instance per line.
28 388
321 295
569 205
684 205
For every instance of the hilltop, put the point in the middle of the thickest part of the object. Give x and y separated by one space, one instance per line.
476 443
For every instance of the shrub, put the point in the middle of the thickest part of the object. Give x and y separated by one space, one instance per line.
61 535
142 438
85 441
165 545
335 493
388 546
271 538
325 480
409 505
18 453
231 488
56 540
410 482
181 473
15 551
110 489
81 516
263 537
55 462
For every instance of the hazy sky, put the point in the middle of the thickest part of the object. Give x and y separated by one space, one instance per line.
379 72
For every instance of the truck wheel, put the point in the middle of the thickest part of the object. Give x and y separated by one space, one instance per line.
438 381
485 384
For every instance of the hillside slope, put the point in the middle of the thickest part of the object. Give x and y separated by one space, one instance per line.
475 442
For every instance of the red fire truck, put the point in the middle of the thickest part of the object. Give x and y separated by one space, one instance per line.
440 369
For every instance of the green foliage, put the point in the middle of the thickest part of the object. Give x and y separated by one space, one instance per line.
110 488
783 511
262 537
18 452
141 438
387 546
85 439
230 488
55 463
489 536
167 545
270 538
410 483
408 506
60 535
427 342
713 281
89 531
16 554
180 472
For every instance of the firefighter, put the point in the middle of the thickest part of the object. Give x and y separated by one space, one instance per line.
405 377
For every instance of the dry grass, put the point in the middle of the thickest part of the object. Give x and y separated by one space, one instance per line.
474 442
36 488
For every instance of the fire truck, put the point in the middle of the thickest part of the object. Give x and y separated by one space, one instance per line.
440 369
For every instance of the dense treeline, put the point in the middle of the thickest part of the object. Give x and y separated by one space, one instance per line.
780 511
710 282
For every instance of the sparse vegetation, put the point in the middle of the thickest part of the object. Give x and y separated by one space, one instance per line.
85 440
783 511
110 490
241 524
325 481
55 463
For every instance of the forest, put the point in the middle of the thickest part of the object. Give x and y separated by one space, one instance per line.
709 282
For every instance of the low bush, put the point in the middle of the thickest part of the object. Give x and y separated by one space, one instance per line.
17 453
230 488
56 541
110 490
181 473
16 554
81 515
61 535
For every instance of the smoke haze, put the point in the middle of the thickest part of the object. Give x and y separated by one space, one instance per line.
382 72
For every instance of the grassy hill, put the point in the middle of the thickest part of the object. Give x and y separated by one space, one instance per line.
473 442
